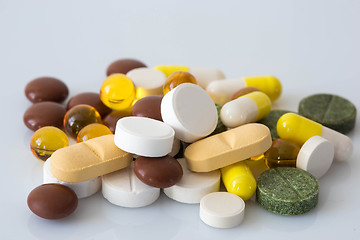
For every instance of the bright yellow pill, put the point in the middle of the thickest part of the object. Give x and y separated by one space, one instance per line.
177 78
238 179
92 131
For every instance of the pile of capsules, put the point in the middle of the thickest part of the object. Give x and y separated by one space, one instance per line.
183 130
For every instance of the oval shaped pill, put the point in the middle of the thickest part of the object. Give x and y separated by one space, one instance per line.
91 131
123 66
222 210
270 85
190 111
149 106
46 89
52 201
177 78
111 119
144 136
159 172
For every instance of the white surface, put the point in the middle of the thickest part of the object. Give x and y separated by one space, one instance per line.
238 112
222 91
205 75
311 46
149 80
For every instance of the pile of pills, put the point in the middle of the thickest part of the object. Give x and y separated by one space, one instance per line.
184 130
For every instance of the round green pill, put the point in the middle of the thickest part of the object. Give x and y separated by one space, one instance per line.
329 110
287 191
271 120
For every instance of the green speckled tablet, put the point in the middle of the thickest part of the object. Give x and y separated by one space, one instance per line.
287 191
271 120
329 110
220 127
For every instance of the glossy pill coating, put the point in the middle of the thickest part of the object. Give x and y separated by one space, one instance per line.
299 129
44 114
111 119
149 106
239 180
46 89
287 191
89 98
222 210
243 91
282 153
78 117
46 140
52 201
248 108
123 66
177 78
91 131
271 120
220 127
159 172
117 92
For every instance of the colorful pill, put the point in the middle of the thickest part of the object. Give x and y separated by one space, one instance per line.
248 108
282 153
222 91
299 129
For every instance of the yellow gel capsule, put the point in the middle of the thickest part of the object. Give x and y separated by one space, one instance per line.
92 131
282 153
238 179
117 92
177 78
268 84
257 165
169 69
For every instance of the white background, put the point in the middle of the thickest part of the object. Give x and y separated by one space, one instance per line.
312 46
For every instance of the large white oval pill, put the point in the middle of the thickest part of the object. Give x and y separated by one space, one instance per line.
144 136
190 111
222 210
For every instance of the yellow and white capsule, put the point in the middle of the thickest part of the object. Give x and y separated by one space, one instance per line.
221 91
246 109
298 129
202 75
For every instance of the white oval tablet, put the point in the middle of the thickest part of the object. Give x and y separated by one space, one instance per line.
124 189
144 136
316 156
222 210
82 189
193 186
190 111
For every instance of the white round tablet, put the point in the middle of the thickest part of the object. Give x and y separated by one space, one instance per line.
144 136
124 189
222 210
82 189
190 111
193 186
316 156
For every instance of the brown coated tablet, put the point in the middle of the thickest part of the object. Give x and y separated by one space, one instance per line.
44 114
160 172
46 89
123 66
111 119
52 201
148 107
89 98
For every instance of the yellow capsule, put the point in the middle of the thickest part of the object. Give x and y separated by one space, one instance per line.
238 179
268 84
169 69
92 131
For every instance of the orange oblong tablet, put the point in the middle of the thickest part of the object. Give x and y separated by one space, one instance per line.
89 159
228 147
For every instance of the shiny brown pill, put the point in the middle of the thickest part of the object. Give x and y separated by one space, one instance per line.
111 119
46 89
52 201
160 172
148 107
44 114
89 98
123 66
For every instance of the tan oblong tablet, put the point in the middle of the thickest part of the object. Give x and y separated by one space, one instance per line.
89 159
228 147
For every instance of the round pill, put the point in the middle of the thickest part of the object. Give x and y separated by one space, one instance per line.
287 191
222 210
271 120
46 89
190 111
92 130
44 114
144 136
124 189
316 156
148 107
177 78
123 66
329 110
111 119
52 201
159 172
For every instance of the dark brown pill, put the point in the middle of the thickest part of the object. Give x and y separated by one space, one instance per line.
160 172
111 119
44 114
123 66
244 91
46 89
52 201
89 98
148 107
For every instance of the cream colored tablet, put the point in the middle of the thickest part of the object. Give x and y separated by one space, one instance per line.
190 111
316 156
82 189
144 136
86 160
222 210
193 186
228 147
124 189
